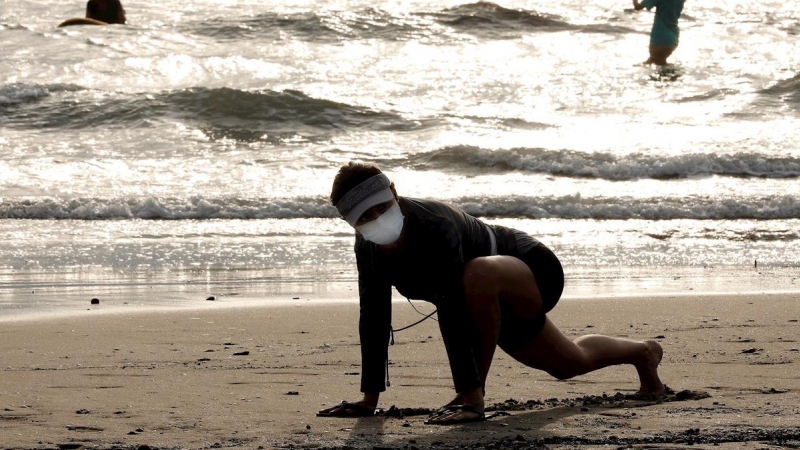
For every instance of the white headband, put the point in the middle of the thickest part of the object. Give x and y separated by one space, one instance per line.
372 191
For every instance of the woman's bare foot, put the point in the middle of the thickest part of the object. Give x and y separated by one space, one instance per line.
650 384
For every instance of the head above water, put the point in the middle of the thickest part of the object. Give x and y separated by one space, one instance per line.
108 11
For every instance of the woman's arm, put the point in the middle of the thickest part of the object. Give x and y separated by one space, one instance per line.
375 319
460 336
459 332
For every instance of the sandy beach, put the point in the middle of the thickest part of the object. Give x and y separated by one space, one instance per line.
254 377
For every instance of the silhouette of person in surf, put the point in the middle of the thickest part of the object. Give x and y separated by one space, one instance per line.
665 33
108 11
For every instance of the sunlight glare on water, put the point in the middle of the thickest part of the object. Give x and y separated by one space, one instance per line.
202 138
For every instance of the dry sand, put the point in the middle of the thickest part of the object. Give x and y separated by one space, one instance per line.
254 377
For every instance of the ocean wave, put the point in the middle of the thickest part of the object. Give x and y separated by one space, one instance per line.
781 93
323 26
12 26
765 235
488 14
492 20
564 207
482 18
713 94
567 163
151 208
21 93
221 112
625 208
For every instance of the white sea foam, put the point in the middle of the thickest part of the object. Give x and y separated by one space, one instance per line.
567 207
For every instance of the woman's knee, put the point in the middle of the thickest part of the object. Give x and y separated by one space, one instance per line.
480 283
503 280
480 275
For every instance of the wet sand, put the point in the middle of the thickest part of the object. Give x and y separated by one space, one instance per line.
254 377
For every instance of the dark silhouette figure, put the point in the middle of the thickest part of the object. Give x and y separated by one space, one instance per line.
108 11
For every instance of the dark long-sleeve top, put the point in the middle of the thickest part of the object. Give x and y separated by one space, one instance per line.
439 240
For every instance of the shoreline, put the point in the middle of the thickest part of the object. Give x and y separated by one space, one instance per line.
255 377
39 297
195 304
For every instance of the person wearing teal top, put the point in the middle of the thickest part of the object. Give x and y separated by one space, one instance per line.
665 32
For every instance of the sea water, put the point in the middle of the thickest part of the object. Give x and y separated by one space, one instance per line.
192 150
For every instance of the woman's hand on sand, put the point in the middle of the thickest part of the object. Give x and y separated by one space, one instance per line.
363 408
348 409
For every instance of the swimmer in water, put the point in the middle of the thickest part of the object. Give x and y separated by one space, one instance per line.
108 11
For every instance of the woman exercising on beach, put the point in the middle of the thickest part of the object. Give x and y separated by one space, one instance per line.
492 286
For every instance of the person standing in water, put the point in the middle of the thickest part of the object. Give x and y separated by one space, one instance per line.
492 285
665 33
108 11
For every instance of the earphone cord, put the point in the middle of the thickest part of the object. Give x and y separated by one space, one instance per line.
392 331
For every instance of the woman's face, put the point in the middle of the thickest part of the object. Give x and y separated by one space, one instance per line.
374 212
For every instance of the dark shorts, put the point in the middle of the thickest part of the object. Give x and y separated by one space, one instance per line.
516 331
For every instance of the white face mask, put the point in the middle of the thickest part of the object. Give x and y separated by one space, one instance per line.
385 229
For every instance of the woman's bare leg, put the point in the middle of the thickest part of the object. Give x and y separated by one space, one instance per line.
659 55
563 358
486 281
